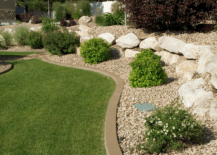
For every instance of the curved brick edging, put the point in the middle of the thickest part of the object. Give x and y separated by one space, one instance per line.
111 139
7 68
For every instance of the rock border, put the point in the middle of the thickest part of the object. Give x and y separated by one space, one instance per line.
7 68
110 136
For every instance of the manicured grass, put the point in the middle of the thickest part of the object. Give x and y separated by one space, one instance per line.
6 54
51 109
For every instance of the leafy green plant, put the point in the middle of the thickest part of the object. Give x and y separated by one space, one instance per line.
61 43
108 19
8 38
170 127
215 27
35 40
48 25
95 50
21 35
147 70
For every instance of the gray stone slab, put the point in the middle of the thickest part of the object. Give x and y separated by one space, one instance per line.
145 106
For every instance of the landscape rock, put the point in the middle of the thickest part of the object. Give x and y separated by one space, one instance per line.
128 41
84 28
7 30
32 29
110 38
84 20
186 66
130 53
171 44
82 39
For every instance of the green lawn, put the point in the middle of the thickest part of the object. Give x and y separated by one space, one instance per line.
6 54
51 109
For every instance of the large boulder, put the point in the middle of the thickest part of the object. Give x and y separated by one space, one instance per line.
110 38
84 20
128 41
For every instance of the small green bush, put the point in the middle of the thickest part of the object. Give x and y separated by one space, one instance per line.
61 43
21 35
170 127
215 27
108 19
35 40
95 50
48 25
147 70
8 38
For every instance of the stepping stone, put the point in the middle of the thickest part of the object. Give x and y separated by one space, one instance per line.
145 106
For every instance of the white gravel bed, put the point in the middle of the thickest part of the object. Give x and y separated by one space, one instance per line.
130 120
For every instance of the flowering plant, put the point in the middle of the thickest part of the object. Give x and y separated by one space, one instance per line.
170 127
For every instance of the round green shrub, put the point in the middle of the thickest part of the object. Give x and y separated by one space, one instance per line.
61 43
35 40
147 70
95 50
170 127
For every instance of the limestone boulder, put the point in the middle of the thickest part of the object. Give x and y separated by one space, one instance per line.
203 60
84 28
171 44
191 51
128 41
84 20
110 38
186 66
192 94
83 39
82 33
7 30
150 42
168 58
130 53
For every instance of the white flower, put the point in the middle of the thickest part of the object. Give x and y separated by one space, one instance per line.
174 118
154 139
166 124
142 146
170 117
173 127
151 121
158 132
163 129
160 122
180 135
165 133
144 121
148 133
146 139
158 118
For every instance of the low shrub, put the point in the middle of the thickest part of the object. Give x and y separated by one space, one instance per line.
35 40
21 35
8 38
61 43
147 70
108 19
95 50
170 127
215 27
48 25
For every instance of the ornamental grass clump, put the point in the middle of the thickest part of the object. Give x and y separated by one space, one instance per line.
170 127
8 39
21 35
